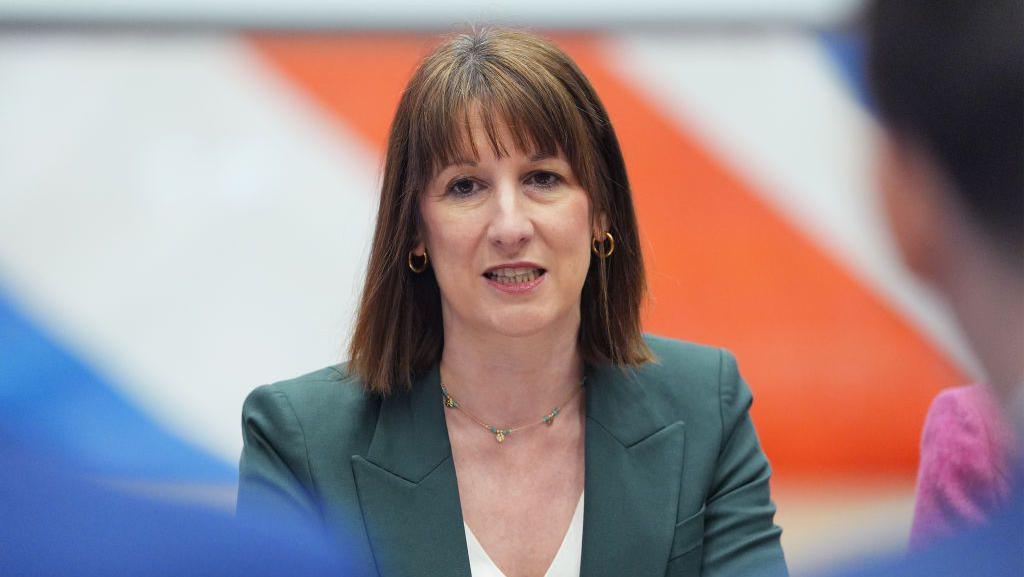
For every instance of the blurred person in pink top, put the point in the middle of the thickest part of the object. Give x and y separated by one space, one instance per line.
947 80
965 473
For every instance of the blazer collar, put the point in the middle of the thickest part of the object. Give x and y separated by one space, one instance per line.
411 438
619 401
634 465
407 488
408 491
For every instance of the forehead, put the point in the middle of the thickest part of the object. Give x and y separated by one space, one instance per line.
477 131
477 145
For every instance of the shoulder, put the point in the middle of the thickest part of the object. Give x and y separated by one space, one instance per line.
697 382
689 369
675 356
322 406
963 409
331 387
963 422
963 474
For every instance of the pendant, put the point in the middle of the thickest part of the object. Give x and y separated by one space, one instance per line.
499 434
449 401
550 417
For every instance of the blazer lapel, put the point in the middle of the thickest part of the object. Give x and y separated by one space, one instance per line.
634 463
407 488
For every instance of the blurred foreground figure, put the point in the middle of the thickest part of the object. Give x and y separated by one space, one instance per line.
948 78
966 466
55 522
65 441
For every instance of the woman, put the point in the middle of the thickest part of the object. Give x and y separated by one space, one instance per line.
502 413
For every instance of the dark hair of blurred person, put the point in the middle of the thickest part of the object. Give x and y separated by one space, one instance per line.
948 80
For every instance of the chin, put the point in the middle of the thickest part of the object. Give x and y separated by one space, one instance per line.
520 323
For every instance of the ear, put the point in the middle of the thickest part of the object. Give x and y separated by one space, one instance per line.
419 248
913 197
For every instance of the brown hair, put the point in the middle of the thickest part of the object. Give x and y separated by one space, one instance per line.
528 83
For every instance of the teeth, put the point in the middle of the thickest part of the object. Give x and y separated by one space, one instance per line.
513 272
508 276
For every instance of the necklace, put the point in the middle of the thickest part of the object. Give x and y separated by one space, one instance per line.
500 434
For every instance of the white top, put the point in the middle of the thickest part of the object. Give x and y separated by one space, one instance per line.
565 564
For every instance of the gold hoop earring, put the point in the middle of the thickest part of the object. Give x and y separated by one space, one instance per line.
607 246
423 266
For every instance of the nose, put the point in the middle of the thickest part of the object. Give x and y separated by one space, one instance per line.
511 227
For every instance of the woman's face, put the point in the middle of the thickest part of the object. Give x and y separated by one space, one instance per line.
509 240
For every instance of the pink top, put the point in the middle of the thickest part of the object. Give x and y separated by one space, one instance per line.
964 473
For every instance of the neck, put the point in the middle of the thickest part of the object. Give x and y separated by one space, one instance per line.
986 292
511 380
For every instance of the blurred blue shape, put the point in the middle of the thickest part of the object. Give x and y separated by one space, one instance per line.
993 550
847 50
54 401
55 522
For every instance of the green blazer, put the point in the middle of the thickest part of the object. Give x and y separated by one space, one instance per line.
675 479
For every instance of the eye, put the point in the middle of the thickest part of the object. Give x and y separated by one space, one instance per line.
543 179
462 187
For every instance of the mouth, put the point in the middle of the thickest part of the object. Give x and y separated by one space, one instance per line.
514 276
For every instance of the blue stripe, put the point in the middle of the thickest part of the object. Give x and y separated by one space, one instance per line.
53 401
847 52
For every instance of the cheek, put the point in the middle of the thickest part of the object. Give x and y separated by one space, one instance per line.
453 242
445 234
894 189
573 230
908 211
454 247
